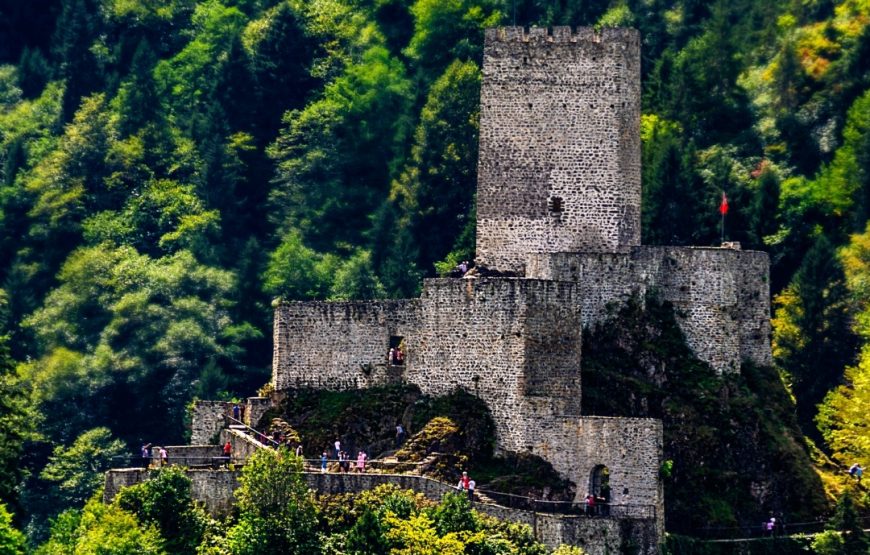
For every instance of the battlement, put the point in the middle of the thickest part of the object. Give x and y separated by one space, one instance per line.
561 34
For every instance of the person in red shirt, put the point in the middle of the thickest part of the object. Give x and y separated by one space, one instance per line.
228 451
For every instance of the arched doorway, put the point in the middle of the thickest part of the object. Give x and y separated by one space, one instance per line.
599 486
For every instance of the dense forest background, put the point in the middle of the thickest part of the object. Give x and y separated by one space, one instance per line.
168 167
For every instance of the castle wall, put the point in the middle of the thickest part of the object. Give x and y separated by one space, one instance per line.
630 448
339 345
559 164
514 343
721 295
207 419
215 489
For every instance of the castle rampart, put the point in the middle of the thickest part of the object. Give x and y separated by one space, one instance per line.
339 345
721 295
514 343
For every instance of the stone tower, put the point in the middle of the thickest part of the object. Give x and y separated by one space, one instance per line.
559 166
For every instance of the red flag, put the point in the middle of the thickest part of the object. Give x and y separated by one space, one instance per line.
723 208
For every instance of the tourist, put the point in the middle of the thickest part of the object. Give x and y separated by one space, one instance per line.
228 452
400 434
237 413
299 450
463 482
323 461
471 485
146 455
771 526
164 457
392 355
856 471
590 505
361 461
337 448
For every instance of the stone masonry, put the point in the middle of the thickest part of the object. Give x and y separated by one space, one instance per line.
215 489
558 208
559 166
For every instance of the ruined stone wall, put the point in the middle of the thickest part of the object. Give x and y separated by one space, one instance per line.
721 295
753 307
599 536
339 345
215 489
514 343
207 419
559 164
630 448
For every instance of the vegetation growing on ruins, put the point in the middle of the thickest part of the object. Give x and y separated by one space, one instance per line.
168 167
733 442
278 514
446 435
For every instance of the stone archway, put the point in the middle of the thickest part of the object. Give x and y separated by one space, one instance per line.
599 486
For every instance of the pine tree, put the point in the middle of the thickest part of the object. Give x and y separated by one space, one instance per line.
73 36
813 340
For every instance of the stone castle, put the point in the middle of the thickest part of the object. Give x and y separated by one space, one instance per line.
558 220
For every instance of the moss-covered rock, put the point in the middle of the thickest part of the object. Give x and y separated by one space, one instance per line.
734 451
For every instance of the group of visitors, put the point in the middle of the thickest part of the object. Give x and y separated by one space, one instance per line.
595 505
345 464
467 485
396 356
238 413
460 269
149 453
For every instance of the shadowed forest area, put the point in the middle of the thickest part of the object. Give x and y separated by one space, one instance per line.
168 167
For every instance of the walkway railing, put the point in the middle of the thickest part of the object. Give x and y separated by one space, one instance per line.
259 436
600 509
742 533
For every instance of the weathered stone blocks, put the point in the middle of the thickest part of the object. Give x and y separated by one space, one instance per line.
559 165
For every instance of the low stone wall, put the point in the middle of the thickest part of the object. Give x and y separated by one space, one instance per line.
215 489
119 478
194 455
243 445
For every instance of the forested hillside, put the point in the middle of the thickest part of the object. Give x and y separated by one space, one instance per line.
167 167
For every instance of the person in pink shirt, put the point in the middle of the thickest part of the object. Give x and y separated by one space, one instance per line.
361 461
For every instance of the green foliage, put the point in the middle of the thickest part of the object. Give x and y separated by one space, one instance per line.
434 194
165 502
78 470
454 515
101 528
447 30
11 540
16 420
119 320
854 540
356 279
277 513
812 340
367 535
637 364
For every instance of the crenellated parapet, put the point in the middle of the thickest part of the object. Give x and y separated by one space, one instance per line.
622 36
